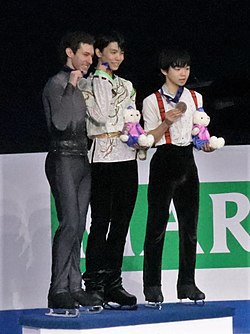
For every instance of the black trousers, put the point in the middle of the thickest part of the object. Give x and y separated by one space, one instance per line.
114 191
173 175
69 177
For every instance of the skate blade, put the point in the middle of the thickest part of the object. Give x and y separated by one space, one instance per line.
199 302
156 305
115 306
91 309
64 313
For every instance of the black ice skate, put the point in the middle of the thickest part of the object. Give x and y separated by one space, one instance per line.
115 296
154 296
94 283
90 303
119 299
62 305
191 292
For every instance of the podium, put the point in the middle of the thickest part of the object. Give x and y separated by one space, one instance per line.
177 318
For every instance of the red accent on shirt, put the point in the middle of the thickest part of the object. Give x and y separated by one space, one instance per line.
162 113
194 97
162 110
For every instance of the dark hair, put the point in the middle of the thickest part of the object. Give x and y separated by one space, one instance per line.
173 58
103 40
73 41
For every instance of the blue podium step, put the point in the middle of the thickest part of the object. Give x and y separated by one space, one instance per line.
171 313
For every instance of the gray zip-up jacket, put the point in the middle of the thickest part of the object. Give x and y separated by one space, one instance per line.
65 111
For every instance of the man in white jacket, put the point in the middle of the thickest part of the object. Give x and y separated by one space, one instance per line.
114 174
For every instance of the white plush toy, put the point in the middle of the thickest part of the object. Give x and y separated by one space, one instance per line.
133 134
200 132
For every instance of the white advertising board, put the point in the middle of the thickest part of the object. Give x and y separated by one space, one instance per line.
223 259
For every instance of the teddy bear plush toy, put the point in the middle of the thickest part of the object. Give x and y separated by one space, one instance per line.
133 134
200 133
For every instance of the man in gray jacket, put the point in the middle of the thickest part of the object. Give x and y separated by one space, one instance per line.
67 169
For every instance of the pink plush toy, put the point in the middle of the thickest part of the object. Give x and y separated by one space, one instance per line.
200 133
133 134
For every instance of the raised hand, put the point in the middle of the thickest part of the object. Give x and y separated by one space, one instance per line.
172 116
74 77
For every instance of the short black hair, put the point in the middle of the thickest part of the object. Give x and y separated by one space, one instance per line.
73 41
103 40
174 58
